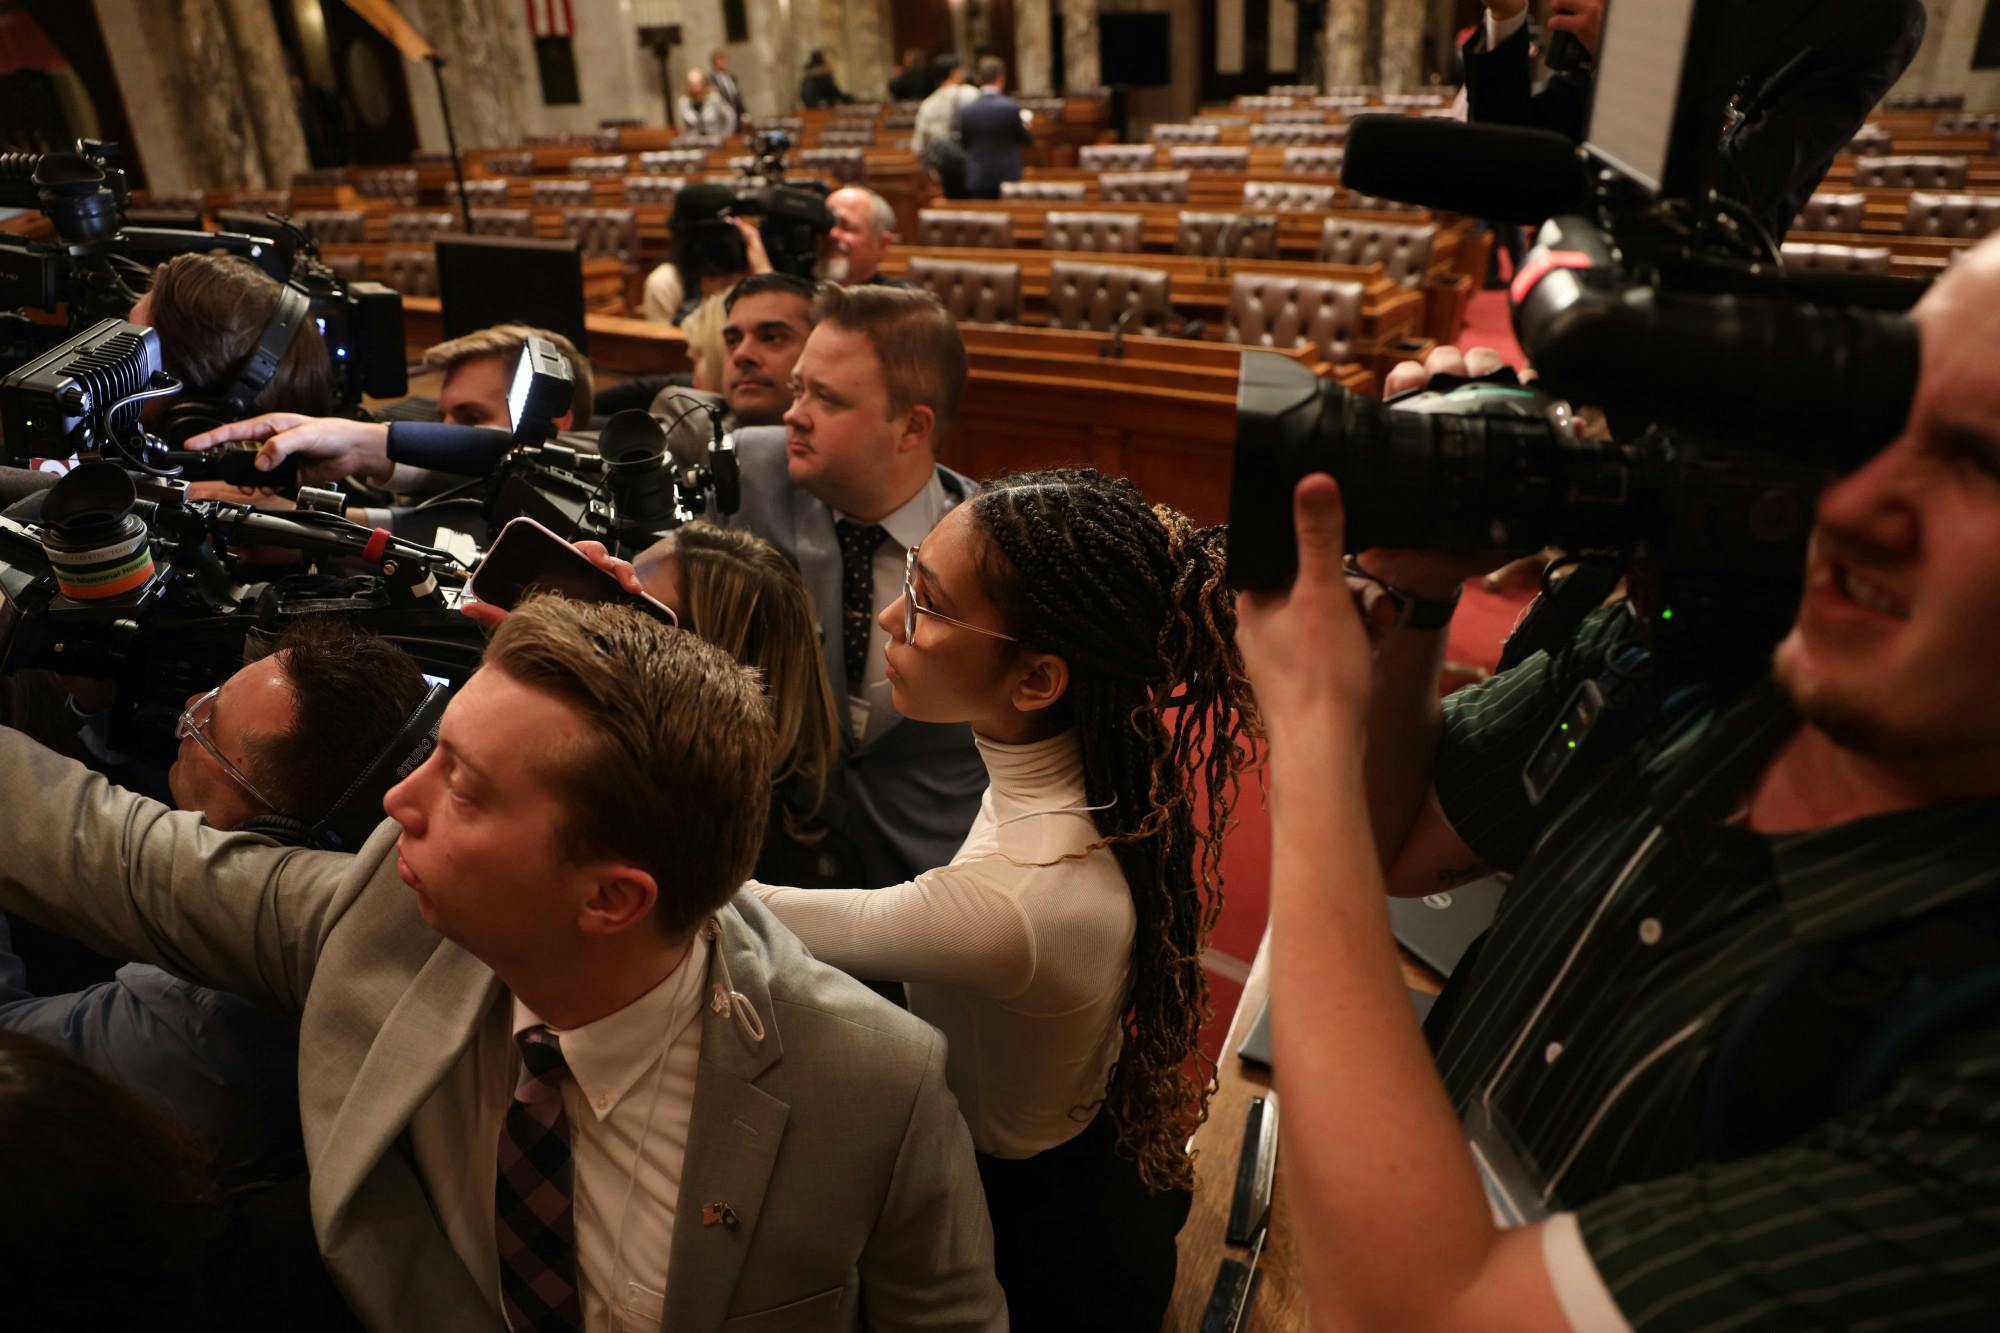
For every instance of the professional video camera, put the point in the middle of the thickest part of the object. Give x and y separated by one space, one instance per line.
97 268
1732 388
121 575
791 215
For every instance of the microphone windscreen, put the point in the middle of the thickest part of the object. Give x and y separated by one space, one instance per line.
443 447
1498 173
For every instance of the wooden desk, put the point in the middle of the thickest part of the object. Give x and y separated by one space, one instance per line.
632 346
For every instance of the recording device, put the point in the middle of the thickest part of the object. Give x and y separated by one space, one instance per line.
120 575
791 216
526 557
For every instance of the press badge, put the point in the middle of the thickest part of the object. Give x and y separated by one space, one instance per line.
1514 1190
857 716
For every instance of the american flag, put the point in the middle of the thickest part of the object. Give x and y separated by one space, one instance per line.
551 18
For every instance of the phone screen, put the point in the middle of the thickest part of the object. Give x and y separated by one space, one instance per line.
526 557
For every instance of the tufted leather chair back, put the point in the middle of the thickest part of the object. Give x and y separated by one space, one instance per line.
1376 204
1264 102
1341 102
973 292
1923 101
418 228
1248 236
673 161
1313 161
1050 107
1968 122
1178 136
1827 211
611 233
857 110
1416 101
1293 90
262 201
173 201
331 226
1143 187
1211 158
1303 115
597 141
396 184
699 143
1319 134
611 164
483 193
1115 156
845 165
1114 233
559 194
793 125
1909 172
511 164
653 189
1838 258
1969 216
1042 189
503 222
411 272
1403 250
902 116
1094 296
963 228
314 178
1270 311
862 136
1287 194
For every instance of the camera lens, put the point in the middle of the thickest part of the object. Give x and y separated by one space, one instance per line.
96 545
634 448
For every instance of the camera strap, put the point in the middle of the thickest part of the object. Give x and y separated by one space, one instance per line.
280 332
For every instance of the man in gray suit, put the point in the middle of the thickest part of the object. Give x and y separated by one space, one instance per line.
849 485
552 1071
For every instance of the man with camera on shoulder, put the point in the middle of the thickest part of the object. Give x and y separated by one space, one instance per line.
1727 1055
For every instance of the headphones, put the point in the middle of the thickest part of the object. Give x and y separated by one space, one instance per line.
358 811
190 414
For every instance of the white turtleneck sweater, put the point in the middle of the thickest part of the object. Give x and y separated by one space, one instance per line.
1020 958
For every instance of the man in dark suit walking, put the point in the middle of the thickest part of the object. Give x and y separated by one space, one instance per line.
993 128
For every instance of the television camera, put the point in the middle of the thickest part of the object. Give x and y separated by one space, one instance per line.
791 216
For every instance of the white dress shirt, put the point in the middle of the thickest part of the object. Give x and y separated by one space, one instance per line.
630 1096
870 711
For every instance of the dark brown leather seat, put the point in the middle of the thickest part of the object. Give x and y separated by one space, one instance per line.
793 125
1143 187
484 193
611 164
1296 91
1316 135
1969 216
965 228
610 233
673 161
396 184
559 194
348 268
862 136
1416 101
262 201
1295 116
411 272
1210 158
173 201
1271 311
1111 233
1180 135
1313 161
416 228
1376 204
653 189
1095 296
1050 108
902 116
333 226
316 178
1042 189
1287 194
511 164
858 110
1246 235
1910 172
1838 258
1116 156
503 222
1341 102
973 292
1264 102
700 143
1830 211
597 141
1402 249
845 165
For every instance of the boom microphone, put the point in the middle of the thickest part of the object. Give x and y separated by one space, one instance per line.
443 447
1501 173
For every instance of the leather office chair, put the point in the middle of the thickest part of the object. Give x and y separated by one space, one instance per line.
1210 158
1102 157
653 189
396 184
503 222
611 164
1048 108
1416 101
1402 249
857 110
1830 211
510 164
700 143
1271 311
1967 122
1110 233
1910 172
846 165
1042 190
1264 102
1319 134
610 233
965 228
1837 258
262 201
597 141
1143 187
1298 115
673 161
411 272
1097 296
483 193
973 292
333 226
902 116
1375 204
1970 216
348 268
1341 102
559 194
1287 194
173 201
418 228
1296 91
792 125
1313 161
1181 135
1246 235
314 178
861 137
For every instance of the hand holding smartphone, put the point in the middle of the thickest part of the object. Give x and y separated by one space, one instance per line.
527 557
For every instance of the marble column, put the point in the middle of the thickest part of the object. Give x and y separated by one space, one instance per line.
1349 35
219 125
1079 37
267 94
1034 59
776 37
484 73
1402 49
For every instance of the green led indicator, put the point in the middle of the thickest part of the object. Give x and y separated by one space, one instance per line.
1565 726
1667 613
1572 745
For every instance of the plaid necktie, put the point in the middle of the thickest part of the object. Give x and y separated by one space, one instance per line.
857 593
534 1218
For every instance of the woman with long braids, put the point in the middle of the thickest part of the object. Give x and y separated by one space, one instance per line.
1087 638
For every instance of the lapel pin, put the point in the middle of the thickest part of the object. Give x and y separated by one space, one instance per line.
713 1213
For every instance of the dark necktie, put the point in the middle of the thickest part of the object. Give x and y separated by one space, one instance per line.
857 593
533 1199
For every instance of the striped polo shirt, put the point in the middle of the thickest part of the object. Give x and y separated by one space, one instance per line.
1639 918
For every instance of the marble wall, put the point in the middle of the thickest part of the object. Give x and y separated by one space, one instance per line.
1944 62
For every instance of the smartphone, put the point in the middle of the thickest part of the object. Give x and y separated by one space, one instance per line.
527 557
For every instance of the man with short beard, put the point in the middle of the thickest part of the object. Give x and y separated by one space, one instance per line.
864 227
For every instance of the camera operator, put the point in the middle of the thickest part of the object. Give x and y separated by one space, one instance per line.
1651 1054
284 737
210 311
697 1128
864 227
709 254
1810 72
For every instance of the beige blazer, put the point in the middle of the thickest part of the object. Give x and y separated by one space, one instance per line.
834 1139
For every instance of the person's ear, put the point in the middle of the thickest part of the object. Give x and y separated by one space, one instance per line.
919 428
621 896
565 421
1040 682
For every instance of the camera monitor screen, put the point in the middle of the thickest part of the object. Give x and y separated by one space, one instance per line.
487 280
1639 66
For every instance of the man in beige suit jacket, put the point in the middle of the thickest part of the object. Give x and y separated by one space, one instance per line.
827 1180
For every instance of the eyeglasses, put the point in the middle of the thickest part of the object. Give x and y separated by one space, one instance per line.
193 718
911 609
